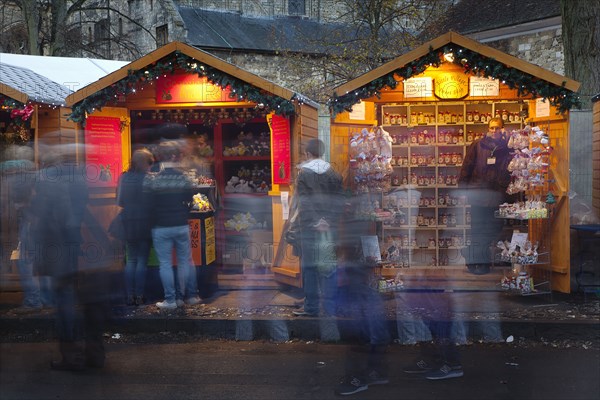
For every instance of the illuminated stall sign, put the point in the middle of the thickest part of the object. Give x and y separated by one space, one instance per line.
451 85
104 162
483 87
189 88
418 87
280 148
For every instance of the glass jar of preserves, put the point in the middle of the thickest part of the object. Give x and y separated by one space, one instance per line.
386 118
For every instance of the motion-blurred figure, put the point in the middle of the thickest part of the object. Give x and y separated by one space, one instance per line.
439 359
320 202
61 197
136 220
362 300
19 172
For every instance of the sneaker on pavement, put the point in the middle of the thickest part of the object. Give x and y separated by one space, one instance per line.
418 367
445 372
351 385
180 303
192 301
167 305
373 377
303 313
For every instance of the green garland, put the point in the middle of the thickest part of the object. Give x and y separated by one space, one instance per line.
472 63
239 89
8 103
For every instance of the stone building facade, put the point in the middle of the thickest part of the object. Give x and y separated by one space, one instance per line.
540 48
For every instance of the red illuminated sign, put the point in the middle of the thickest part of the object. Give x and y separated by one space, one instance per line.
104 159
189 88
280 148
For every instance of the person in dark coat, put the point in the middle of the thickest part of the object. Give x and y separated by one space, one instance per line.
485 177
137 224
168 193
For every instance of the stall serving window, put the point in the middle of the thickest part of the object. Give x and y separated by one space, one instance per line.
228 151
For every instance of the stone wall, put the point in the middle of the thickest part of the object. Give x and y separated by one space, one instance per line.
264 65
542 48
151 15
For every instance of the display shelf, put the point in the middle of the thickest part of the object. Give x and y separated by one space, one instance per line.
429 143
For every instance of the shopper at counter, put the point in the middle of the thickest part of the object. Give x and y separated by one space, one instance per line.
168 193
137 225
485 177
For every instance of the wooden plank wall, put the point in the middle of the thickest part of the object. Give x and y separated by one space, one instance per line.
559 234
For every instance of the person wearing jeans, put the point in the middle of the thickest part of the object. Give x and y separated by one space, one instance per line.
165 239
168 194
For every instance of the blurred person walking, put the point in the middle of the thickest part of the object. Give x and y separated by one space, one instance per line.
19 173
168 194
320 203
61 197
137 224
439 359
363 303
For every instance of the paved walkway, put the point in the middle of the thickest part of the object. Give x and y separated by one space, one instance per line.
250 314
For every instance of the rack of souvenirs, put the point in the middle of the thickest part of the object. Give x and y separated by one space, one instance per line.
523 253
530 162
530 209
521 282
370 154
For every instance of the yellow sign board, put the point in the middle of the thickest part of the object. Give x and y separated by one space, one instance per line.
451 85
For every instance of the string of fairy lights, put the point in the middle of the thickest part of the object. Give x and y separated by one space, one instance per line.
472 63
179 62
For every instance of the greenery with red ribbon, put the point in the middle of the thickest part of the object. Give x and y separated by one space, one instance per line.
178 61
472 63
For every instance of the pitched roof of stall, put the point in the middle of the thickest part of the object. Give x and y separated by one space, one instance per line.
190 51
471 16
24 85
452 37
232 31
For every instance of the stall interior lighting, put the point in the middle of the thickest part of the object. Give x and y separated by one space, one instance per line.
449 57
